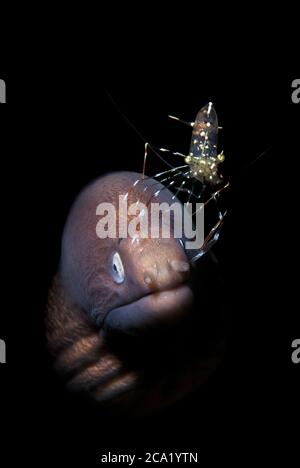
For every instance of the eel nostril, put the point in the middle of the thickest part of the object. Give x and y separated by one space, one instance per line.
166 275
150 277
148 280
180 266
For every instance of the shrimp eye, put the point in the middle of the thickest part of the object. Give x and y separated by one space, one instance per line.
117 269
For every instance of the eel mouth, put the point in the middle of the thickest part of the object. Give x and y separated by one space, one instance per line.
117 378
154 312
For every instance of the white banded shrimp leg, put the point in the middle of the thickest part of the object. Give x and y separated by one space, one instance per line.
155 149
190 124
179 174
171 175
214 233
209 241
166 150
169 171
176 153
173 178
214 198
190 191
147 145
179 189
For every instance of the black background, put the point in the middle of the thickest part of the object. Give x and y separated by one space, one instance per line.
59 130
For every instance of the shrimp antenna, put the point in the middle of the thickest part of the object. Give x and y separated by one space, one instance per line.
117 107
251 163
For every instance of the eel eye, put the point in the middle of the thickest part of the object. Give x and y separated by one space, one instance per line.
117 268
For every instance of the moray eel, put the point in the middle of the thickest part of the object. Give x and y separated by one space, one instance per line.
133 326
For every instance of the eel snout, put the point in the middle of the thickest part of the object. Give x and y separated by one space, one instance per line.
162 270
